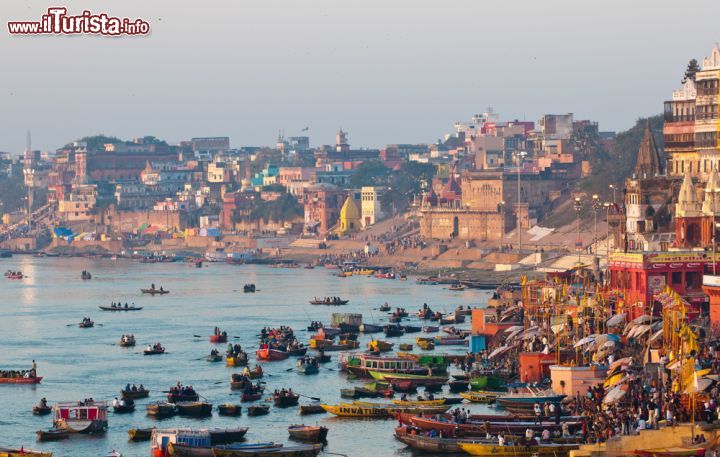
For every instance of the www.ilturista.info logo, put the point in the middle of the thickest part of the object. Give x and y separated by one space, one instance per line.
57 22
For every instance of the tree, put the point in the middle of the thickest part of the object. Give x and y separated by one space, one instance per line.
370 173
284 208
405 183
691 70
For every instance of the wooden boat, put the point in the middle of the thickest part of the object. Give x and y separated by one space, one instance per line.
370 328
161 409
140 434
183 449
308 450
362 364
120 308
456 287
427 344
127 341
329 302
221 338
237 361
479 428
286 399
451 341
255 373
431 329
124 409
487 449
406 347
194 408
416 378
144 393
249 288
359 392
155 291
397 409
404 386
52 435
259 410
229 409
488 382
10 452
315 434
437 402
214 358
298 352
384 308
668 452
481 396
227 435
412 329
28 380
307 367
458 385
422 443
39 410
88 417
379 346
528 399
86 324
271 355
393 330
346 410
311 409
154 351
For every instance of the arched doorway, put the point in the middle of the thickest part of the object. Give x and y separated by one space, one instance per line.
456 227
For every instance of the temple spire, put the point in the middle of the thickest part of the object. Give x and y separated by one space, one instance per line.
687 202
648 159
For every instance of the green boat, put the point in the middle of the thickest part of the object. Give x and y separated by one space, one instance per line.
487 382
406 377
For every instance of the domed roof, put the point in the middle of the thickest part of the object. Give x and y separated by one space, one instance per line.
349 209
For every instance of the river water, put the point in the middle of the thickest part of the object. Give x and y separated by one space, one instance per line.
38 318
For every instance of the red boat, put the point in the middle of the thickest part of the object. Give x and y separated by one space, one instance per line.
31 380
222 338
271 355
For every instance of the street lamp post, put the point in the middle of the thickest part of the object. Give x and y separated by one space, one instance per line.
607 206
577 206
613 187
596 205
501 208
519 156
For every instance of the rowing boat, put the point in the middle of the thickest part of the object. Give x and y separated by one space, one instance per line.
311 409
29 380
315 434
155 291
52 435
481 396
229 409
271 355
428 444
415 378
120 308
140 434
144 393
379 346
494 450
194 408
305 450
9 452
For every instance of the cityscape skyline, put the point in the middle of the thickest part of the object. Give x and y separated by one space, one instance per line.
403 76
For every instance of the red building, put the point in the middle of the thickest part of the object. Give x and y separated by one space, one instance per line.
638 276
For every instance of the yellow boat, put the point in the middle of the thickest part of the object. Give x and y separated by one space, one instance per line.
345 274
9 452
364 272
391 408
379 346
418 402
425 343
493 450
481 396
350 410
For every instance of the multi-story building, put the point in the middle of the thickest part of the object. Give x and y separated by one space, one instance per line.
79 204
322 204
371 209
692 130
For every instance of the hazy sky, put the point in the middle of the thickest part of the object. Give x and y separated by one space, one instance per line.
389 71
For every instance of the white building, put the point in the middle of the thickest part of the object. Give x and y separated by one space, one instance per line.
371 209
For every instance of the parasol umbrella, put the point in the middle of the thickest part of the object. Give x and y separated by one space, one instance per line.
655 336
638 331
586 340
601 339
616 320
615 394
700 385
498 351
613 380
619 362
514 328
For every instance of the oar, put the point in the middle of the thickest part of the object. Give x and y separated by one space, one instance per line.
197 336
289 369
311 398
